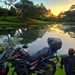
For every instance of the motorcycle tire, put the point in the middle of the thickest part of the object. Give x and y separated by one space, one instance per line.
20 68
49 70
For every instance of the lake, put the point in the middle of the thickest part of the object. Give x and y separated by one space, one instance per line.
62 31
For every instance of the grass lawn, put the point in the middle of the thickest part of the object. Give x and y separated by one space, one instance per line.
60 71
10 22
13 21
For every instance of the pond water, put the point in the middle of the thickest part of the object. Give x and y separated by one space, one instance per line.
64 32
54 30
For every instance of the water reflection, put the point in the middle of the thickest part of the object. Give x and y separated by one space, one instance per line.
55 30
65 32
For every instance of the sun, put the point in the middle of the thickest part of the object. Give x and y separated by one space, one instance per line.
58 9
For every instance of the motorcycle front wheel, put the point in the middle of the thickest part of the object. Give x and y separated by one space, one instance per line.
20 67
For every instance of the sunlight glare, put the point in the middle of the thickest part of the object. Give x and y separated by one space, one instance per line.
56 28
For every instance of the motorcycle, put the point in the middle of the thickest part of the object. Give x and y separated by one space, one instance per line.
40 63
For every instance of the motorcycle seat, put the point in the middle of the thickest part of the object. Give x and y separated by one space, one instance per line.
42 53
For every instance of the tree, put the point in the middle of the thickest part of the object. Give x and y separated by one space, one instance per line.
69 15
72 7
12 12
3 12
24 1
10 2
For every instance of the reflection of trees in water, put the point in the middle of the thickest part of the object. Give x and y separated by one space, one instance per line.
32 34
71 31
7 31
70 26
29 36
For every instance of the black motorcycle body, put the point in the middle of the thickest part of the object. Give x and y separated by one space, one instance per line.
36 63
40 62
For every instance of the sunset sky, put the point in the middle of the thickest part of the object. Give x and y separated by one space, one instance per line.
56 6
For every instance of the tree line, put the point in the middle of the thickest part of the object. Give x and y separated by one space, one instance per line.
24 9
69 16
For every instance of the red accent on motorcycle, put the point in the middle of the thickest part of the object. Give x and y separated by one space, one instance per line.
34 62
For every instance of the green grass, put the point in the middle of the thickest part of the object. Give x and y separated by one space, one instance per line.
14 22
60 72
10 19
10 22
11 70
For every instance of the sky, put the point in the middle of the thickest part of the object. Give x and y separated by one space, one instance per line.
2 3
56 6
